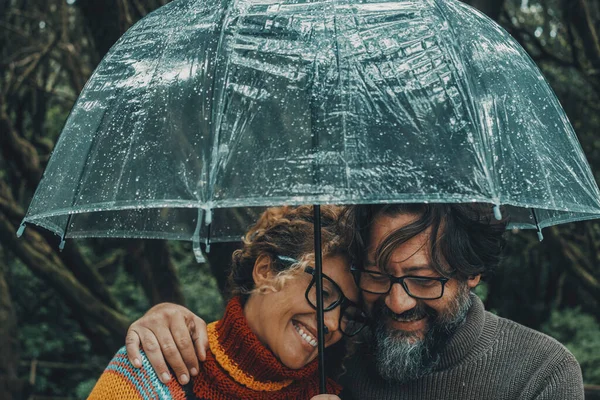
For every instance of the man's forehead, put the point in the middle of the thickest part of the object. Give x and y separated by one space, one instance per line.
411 256
384 225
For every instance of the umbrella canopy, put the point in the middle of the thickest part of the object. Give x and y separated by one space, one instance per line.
208 105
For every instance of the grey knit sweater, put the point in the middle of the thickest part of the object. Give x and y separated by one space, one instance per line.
487 358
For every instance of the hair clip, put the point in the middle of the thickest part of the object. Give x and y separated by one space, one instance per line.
289 260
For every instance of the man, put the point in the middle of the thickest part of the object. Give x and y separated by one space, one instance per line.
430 338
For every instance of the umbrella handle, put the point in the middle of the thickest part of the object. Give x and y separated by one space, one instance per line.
319 282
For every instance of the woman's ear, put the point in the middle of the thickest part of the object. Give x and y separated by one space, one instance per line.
262 272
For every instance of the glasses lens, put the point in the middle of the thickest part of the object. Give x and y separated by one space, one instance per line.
331 294
352 320
424 288
374 282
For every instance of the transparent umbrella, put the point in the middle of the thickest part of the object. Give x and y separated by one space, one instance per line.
207 106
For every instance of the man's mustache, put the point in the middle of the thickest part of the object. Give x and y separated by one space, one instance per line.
416 313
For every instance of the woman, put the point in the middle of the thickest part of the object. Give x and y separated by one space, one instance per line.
265 345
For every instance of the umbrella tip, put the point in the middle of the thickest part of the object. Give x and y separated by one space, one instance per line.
200 259
540 235
497 212
21 229
61 246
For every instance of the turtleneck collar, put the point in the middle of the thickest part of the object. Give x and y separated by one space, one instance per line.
470 338
239 366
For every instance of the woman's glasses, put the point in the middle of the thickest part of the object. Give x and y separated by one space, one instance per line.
352 318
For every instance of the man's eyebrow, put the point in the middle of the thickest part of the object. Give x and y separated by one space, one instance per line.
418 268
406 270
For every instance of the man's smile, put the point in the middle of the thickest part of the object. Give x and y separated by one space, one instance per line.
407 325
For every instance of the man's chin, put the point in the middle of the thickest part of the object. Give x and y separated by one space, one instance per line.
401 355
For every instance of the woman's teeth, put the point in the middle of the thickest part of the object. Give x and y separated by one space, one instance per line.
307 337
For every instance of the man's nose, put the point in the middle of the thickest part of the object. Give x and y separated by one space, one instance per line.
398 301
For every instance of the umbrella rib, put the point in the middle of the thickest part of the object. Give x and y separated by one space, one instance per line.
136 129
214 161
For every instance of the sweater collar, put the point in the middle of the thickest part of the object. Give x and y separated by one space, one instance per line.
240 353
470 338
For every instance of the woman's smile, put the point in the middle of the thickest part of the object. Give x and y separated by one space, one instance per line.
307 338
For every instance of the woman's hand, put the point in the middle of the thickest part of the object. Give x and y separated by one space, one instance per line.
172 332
326 397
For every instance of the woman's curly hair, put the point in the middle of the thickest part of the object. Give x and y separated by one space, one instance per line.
285 231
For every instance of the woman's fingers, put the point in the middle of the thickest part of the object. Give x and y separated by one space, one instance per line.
326 397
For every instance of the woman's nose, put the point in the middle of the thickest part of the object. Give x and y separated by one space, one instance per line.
332 320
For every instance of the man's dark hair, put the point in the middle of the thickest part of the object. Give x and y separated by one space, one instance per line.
465 239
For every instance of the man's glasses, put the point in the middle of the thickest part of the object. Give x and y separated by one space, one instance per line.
352 318
417 287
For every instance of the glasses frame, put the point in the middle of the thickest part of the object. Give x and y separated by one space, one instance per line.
343 301
398 279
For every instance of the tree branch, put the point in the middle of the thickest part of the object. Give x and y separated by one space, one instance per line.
578 13
35 253
11 386
568 254
71 256
18 150
150 262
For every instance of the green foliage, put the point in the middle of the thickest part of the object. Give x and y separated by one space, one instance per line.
83 390
198 284
55 120
47 332
580 333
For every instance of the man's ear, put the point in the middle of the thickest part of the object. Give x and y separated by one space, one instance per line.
473 281
262 272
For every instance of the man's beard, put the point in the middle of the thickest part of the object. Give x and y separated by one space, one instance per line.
403 356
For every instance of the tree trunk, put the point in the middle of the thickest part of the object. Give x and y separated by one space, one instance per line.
104 23
150 262
71 256
42 260
219 261
577 13
574 259
11 387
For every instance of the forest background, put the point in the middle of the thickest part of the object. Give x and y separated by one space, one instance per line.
64 314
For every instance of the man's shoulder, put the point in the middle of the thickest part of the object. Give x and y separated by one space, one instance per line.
522 343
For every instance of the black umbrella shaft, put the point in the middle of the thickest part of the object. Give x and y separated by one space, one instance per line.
319 281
